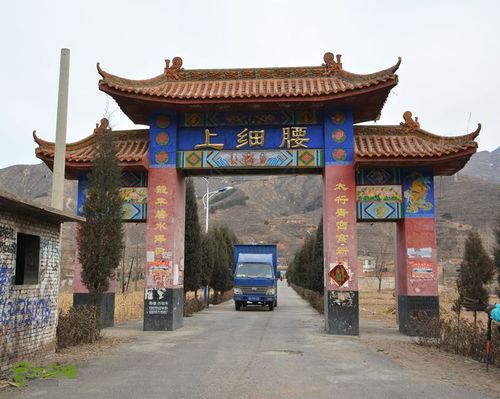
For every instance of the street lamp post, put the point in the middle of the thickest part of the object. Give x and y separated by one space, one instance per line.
206 205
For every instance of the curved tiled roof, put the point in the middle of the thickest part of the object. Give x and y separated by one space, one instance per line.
398 145
376 142
258 87
132 150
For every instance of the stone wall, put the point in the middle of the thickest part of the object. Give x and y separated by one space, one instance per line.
28 313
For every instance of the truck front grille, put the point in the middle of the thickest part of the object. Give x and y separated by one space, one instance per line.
253 290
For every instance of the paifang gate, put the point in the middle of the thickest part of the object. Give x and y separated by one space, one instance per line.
279 120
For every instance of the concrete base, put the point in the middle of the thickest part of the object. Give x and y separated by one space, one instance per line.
342 312
107 306
416 314
163 309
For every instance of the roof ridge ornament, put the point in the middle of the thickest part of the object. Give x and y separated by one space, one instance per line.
101 128
409 123
172 71
331 64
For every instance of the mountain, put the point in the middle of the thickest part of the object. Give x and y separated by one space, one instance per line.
284 209
485 165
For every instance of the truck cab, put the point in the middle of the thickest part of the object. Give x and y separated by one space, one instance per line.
255 276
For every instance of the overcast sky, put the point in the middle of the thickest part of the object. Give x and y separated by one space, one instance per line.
449 76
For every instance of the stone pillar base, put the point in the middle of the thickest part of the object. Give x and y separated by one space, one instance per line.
163 309
342 312
417 315
107 306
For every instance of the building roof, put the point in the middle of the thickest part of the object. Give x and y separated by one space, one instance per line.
132 150
409 145
316 87
12 203
395 145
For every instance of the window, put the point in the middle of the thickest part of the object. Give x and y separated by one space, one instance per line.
27 259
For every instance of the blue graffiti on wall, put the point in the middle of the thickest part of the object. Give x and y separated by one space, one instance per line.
34 312
5 278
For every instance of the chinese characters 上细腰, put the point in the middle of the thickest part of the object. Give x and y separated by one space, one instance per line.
208 144
254 138
294 137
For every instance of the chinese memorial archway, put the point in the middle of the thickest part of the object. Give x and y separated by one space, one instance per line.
278 120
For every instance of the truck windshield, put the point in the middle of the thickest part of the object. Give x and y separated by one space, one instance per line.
254 270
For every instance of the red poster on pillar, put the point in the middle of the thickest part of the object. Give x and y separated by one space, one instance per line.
340 228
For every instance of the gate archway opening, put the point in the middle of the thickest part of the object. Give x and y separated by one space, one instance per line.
280 120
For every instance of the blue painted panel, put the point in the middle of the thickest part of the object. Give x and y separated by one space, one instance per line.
162 140
133 191
257 118
418 191
378 176
379 210
264 138
338 136
83 185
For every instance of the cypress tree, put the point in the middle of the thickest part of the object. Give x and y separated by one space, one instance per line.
476 271
316 272
192 242
100 237
222 275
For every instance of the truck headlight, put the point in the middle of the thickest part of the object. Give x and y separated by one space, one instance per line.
237 291
270 291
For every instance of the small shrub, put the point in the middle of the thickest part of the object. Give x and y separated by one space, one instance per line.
192 305
78 325
462 338
314 298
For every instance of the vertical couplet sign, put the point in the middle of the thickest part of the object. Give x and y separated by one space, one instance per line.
340 219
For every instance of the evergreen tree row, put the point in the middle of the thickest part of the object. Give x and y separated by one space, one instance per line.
306 269
208 257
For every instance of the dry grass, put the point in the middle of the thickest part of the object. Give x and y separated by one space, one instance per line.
128 306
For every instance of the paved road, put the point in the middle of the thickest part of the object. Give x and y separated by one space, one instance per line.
221 353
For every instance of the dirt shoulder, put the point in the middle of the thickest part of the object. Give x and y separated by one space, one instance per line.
111 338
429 362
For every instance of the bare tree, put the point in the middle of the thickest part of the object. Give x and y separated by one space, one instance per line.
383 253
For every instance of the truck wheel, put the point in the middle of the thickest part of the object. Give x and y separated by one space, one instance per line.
271 306
237 305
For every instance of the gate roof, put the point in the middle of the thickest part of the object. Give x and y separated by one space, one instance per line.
317 87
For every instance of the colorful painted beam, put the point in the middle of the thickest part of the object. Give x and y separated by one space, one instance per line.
310 158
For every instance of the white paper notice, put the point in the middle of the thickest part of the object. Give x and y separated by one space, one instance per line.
176 274
150 256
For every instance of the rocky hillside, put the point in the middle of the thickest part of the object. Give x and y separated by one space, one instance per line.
485 165
284 209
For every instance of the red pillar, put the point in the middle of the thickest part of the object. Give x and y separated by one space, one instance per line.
416 273
163 297
340 250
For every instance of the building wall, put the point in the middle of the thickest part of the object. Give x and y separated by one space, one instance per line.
28 313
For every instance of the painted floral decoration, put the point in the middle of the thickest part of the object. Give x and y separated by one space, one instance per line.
339 136
163 121
161 157
338 118
162 138
339 154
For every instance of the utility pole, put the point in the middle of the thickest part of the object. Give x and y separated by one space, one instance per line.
60 146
